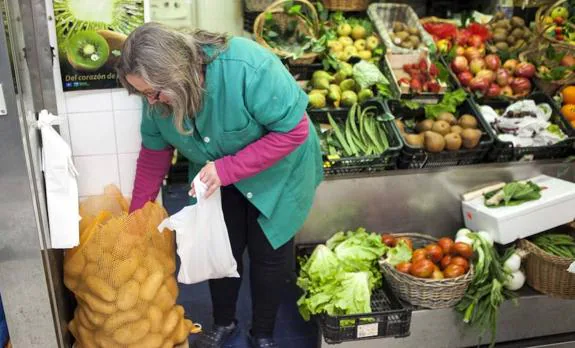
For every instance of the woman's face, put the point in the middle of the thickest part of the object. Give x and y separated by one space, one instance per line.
146 90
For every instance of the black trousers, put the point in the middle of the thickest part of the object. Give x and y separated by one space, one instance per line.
268 267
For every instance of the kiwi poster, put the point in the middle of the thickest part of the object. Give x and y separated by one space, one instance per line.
90 35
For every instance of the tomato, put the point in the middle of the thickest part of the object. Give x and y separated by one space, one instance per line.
434 252
446 244
458 260
422 269
446 260
407 241
388 240
462 249
403 267
453 271
437 274
419 254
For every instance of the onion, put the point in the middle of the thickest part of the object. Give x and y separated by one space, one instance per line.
515 281
513 263
462 232
464 239
486 237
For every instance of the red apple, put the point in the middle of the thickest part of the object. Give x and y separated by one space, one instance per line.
521 86
460 64
486 74
475 41
502 77
472 53
507 91
493 91
525 70
464 78
510 65
477 65
492 62
459 50
479 85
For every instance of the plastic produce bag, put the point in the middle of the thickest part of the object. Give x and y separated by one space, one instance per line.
202 237
122 275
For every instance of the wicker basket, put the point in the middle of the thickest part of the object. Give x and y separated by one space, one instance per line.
547 273
256 5
422 292
541 27
311 28
538 50
346 5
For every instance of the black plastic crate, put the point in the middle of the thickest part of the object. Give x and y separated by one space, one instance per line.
303 72
389 317
366 164
505 151
411 157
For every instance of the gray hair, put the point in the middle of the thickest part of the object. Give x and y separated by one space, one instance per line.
171 61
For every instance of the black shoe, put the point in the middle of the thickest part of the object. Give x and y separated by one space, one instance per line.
216 337
262 342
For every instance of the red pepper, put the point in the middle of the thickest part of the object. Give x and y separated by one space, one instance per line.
479 29
441 30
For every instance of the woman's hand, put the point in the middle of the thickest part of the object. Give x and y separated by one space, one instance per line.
209 176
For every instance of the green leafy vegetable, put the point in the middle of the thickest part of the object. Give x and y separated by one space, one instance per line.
449 103
411 105
398 254
513 193
368 74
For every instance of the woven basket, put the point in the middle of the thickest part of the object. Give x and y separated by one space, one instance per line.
428 293
538 50
256 5
346 5
547 273
541 27
310 28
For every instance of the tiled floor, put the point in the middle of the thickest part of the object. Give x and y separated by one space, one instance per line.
291 330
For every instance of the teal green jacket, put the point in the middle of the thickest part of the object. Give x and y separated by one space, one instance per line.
248 94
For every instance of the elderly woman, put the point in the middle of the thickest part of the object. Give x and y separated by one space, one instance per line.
232 109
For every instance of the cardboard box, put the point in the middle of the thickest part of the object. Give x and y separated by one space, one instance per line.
507 224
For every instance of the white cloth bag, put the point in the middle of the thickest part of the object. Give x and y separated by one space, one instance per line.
61 185
202 239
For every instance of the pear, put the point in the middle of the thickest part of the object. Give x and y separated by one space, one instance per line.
441 127
456 129
467 121
348 98
364 95
317 100
424 126
434 142
470 137
447 117
452 141
414 140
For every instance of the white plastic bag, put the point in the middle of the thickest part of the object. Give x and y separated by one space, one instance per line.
202 239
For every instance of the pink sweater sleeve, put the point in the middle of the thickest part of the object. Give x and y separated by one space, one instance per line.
261 154
151 168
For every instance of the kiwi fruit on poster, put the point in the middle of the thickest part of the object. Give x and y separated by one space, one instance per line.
90 36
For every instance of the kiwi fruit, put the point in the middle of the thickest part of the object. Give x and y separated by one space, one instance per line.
502 46
433 142
402 35
517 21
511 39
398 26
467 121
87 51
400 125
115 42
424 126
470 138
414 140
499 37
413 31
447 117
452 141
517 32
74 16
414 40
456 129
441 127
407 44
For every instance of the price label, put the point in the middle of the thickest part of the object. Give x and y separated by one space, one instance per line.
367 330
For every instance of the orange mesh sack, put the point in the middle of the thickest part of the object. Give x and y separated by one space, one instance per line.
122 275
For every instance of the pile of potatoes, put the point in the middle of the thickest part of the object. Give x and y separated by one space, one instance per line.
123 280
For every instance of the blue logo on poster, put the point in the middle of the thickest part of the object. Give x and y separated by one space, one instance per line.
68 84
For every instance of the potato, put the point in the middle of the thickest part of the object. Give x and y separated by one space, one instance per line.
124 270
133 332
100 288
75 265
70 282
128 295
83 319
95 318
172 286
152 340
171 322
86 337
121 318
163 299
96 304
93 252
151 285
104 340
73 328
155 316
90 269
180 310
169 263
141 274
181 332
152 263
168 344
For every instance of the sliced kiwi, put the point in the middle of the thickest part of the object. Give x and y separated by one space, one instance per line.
87 51
73 16
115 41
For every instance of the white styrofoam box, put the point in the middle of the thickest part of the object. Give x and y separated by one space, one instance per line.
507 224
92 133
88 101
127 125
127 167
96 172
121 100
